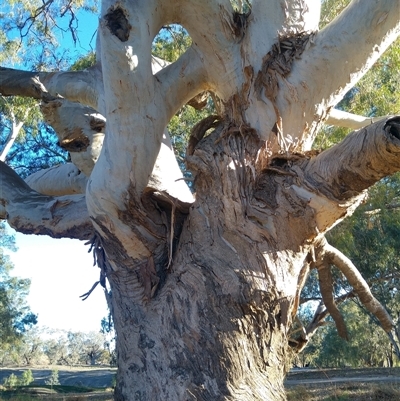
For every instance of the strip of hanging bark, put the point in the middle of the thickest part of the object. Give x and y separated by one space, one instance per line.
199 101
199 130
326 287
360 286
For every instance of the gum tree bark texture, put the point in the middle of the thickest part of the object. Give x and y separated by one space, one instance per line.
203 287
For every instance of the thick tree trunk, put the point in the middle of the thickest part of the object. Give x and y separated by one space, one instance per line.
216 329
214 326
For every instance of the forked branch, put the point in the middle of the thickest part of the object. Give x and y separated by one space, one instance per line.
326 255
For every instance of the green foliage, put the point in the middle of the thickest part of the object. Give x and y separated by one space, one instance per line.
53 380
371 237
26 379
171 43
368 346
84 62
13 381
36 152
330 9
15 315
376 94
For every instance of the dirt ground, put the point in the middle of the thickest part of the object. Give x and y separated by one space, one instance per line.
315 376
314 384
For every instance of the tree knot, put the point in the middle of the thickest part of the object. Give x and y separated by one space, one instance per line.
118 24
392 127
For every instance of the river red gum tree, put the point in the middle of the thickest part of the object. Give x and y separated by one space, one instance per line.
205 287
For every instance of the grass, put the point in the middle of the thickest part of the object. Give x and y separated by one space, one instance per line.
56 393
345 392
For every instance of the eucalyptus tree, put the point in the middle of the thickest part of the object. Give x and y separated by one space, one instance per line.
15 315
204 287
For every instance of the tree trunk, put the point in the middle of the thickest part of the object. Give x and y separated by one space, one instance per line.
216 329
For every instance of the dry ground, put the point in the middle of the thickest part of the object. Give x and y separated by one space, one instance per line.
301 385
344 385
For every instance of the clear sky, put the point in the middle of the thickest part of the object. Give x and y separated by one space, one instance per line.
60 271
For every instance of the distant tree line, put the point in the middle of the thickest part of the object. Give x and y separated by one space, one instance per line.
47 347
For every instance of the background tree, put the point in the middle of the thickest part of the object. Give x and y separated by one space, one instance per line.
204 289
15 315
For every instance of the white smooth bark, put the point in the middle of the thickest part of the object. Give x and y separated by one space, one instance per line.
14 131
342 53
80 130
340 118
77 86
294 17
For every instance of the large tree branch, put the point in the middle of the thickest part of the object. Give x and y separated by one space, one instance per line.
342 53
134 110
182 80
335 181
326 287
297 16
77 86
355 39
340 118
32 213
360 160
216 32
360 286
